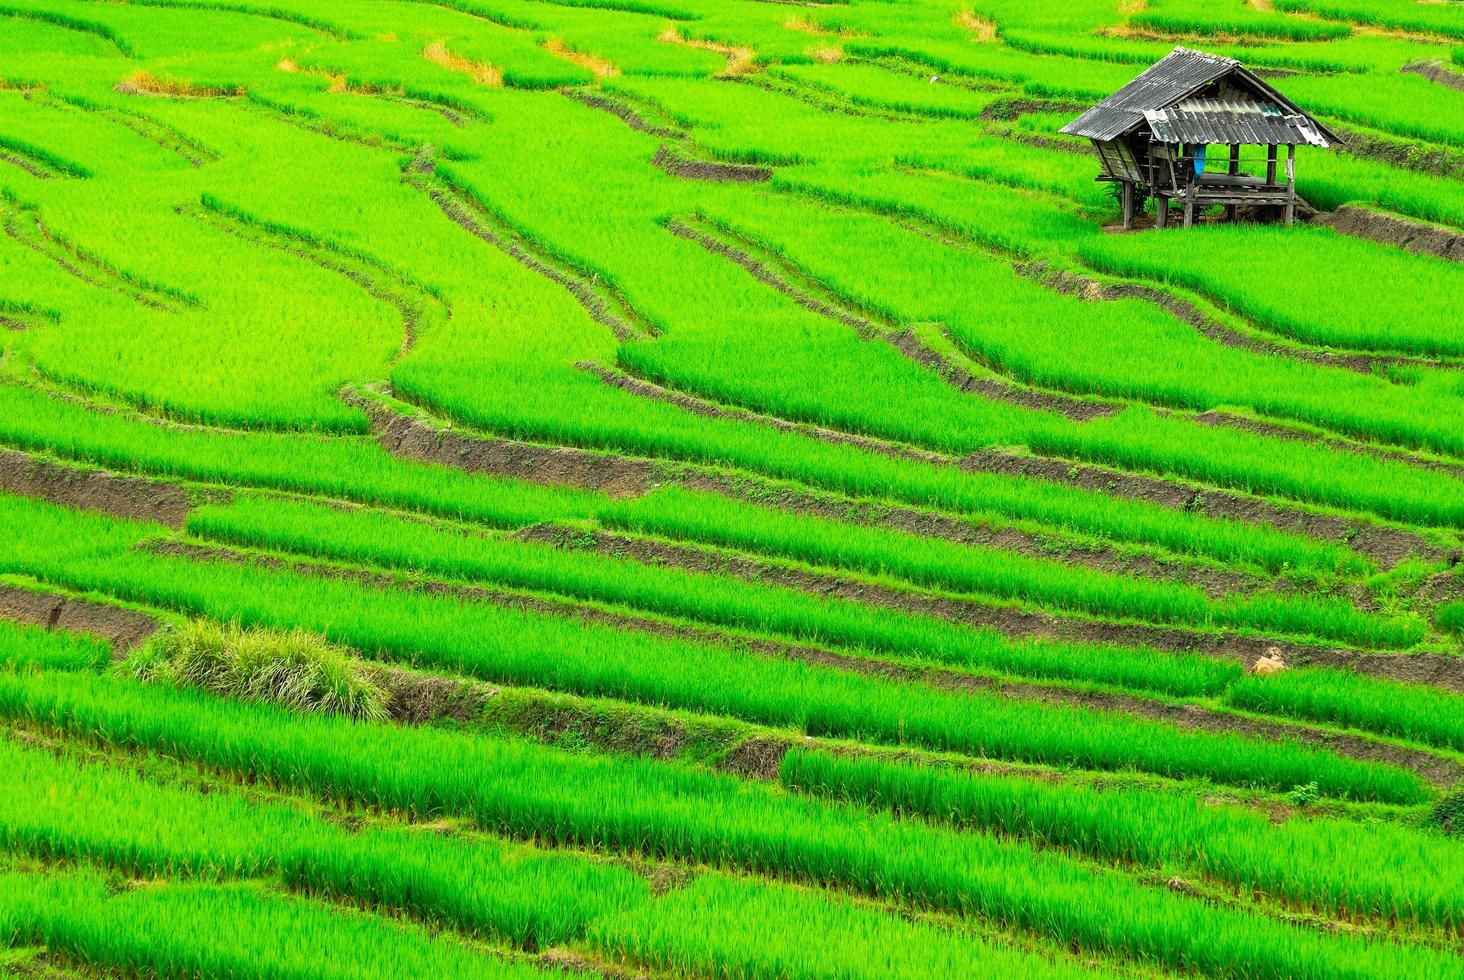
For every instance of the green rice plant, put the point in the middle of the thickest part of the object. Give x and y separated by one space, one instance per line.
677 513
1320 864
1450 616
720 600
57 809
764 930
295 669
1412 318
1415 712
33 648
668 811
1402 14
513 645
181 930
1143 440
60 809
1190 17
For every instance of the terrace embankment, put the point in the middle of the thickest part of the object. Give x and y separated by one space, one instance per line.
1436 71
411 438
1275 430
714 170
97 490
599 298
709 409
625 113
422 698
1438 669
805 290
1385 545
1077 284
1390 229
124 629
1215 582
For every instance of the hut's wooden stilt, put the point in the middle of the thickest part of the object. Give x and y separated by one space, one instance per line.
1161 214
1128 205
1290 214
1189 211
1234 170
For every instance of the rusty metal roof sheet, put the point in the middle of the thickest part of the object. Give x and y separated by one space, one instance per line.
1233 121
1176 75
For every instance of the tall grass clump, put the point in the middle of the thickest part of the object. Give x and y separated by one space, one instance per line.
292 668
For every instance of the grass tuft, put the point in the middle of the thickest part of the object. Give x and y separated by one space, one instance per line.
295 669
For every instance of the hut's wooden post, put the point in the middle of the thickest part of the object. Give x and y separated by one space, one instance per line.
1128 205
1189 209
1271 164
1234 170
1290 183
1161 211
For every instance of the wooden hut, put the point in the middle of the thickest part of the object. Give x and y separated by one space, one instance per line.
1153 137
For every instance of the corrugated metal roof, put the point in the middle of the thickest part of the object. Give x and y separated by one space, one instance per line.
1232 121
1176 75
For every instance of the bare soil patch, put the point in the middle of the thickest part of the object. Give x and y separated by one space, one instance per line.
1390 229
624 113
1275 431
129 497
1186 312
691 403
419 699
690 169
410 438
1436 71
1005 619
1385 545
1436 769
124 629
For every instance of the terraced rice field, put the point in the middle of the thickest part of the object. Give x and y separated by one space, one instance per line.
700 488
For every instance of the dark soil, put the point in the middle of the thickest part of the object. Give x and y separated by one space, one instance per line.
1392 230
905 341
1215 582
758 757
1275 431
1436 72
1186 312
121 496
419 699
1437 669
689 169
1387 546
409 438
691 403
762 755
1436 769
124 629
624 113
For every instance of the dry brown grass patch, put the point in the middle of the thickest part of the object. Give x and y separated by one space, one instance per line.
597 66
480 72
1128 7
145 83
739 60
982 28
826 56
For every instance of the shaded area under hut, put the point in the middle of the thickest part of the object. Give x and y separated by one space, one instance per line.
1163 137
